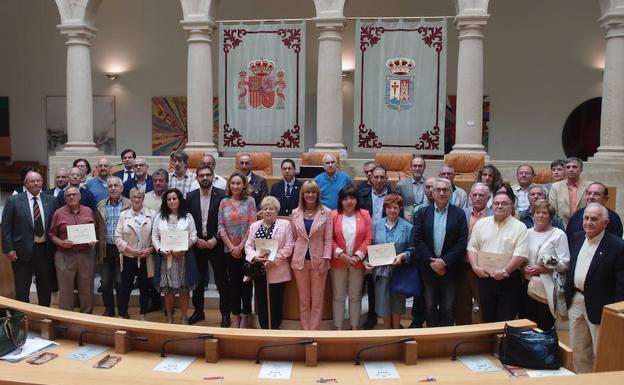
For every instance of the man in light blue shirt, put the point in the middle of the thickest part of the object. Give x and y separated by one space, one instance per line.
97 186
331 181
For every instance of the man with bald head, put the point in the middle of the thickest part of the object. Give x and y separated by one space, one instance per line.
595 193
25 222
97 185
142 180
595 279
258 185
86 197
61 181
331 181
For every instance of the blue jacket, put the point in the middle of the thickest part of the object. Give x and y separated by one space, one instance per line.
287 204
403 242
131 183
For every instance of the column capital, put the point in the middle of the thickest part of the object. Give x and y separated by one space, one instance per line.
330 22
470 21
79 33
203 24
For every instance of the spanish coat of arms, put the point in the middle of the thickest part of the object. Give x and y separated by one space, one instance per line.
261 89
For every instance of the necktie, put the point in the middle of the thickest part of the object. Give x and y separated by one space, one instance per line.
127 176
37 217
288 188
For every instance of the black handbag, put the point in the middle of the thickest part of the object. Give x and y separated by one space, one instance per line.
527 348
13 330
253 269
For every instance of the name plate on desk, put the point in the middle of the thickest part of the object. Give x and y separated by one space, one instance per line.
79 234
492 262
174 240
381 254
267 244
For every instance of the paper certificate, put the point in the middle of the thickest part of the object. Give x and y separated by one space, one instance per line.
492 262
79 234
382 254
268 244
174 240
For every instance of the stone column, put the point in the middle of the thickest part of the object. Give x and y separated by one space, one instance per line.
79 89
329 88
199 85
612 114
469 120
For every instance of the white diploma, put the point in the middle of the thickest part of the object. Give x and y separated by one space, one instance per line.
492 262
268 244
381 254
381 370
79 234
275 370
174 240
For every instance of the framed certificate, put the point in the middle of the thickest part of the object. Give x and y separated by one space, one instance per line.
174 240
492 262
381 254
79 234
268 244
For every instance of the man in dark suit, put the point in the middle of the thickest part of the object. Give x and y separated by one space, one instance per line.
259 187
61 181
204 206
440 240
127 159
86 197
595 279
141 179
287 191
595 193
25 222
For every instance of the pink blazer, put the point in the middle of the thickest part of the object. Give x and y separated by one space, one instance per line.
279 271
363 236
319 241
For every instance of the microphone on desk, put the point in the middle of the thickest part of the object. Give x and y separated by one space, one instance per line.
199 337
399 341
482 340
302 342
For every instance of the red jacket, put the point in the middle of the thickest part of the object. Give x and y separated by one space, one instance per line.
363 237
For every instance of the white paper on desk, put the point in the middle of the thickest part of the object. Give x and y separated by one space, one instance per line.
86 352
174 240
268 244
381 254
381 370
548 373
174 364
276 370
80 234
30 347
479 364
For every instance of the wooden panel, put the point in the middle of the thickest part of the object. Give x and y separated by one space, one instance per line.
610 351
7 283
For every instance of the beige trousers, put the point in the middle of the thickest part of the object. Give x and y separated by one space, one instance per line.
347 280
583 336
75 264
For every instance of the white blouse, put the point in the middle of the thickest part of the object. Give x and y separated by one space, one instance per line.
185 223
549 243
348 230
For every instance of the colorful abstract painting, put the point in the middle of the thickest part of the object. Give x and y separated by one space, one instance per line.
449 130
169 120
5 134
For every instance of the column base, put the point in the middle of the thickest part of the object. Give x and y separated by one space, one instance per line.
331 147
206 147
608 154
468 148
71 148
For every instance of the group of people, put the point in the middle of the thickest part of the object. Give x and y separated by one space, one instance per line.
477 255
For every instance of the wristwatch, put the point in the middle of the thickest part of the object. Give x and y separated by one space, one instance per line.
505 273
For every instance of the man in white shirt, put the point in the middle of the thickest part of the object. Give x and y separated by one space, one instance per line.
524 176
210 161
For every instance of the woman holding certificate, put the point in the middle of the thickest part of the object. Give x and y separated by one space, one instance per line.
353 233
236 212
133 238
269 246
173 236
548 260
395 230
313 228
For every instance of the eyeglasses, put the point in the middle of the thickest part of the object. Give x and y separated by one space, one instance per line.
442 190
204 175
504 204
139 165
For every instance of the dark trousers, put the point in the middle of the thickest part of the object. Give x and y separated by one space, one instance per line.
131 270
369 285
535 311
42 267
111 278
418 311
276 291
439 295
500 300
239 291
219 268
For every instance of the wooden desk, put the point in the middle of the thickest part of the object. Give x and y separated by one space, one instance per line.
610 351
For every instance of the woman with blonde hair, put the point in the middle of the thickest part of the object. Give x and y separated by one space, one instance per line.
312 225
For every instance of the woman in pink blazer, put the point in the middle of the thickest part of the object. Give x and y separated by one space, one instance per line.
276 271
312 225
353 233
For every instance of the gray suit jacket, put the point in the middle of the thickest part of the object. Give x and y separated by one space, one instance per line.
18 227
406 191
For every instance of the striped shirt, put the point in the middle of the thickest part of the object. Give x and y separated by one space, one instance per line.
186 184
112 217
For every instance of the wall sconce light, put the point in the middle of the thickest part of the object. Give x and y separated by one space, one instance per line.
347 72
112 76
